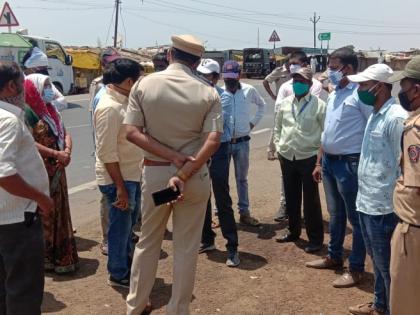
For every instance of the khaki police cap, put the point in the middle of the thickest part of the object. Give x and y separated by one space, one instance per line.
412 70
304 72
188 44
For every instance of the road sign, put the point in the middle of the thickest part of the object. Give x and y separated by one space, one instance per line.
274 37
7 18
324 36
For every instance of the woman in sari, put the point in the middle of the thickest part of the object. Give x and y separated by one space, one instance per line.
55 147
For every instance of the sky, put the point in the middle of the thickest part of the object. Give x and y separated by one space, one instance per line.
391 25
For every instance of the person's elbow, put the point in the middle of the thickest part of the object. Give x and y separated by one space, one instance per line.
131 133
214 140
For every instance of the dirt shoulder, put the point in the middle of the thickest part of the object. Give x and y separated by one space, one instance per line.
271 279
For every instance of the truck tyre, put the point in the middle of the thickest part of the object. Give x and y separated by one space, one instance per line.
58 87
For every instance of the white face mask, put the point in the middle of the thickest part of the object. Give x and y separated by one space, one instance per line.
294 68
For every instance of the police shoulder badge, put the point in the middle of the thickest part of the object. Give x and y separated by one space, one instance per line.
414 153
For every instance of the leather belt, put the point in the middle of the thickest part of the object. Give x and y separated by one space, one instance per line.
240 139
344 157
412 225
147 162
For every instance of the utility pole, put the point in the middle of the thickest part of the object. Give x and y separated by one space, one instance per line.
258 38
315 20
117 14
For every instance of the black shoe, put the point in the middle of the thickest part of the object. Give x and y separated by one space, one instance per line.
124 283
281 219
313 248
287 238
135 238
206 248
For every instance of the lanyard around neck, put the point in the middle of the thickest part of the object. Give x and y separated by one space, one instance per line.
302 109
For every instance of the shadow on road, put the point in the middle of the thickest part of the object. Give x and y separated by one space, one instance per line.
73 105
265 231
160 296
50 304
84 244
248 261
87 268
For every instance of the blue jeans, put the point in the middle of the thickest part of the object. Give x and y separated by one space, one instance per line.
240 155
340 185
219 173
120 228
377 232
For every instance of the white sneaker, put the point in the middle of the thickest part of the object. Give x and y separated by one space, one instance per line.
233 260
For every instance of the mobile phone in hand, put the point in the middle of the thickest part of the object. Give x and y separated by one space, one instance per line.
165 196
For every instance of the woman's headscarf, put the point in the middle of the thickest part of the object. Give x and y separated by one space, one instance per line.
34 87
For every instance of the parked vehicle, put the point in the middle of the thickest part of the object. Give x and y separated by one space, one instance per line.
257 62
59 62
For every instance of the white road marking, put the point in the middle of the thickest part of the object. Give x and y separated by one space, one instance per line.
257 132
82 187
71 100
78 126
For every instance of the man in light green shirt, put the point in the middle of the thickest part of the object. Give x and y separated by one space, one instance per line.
297 137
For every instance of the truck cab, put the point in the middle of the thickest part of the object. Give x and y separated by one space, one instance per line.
257 62
59 62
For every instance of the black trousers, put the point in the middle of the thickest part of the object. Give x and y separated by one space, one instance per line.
297 177
219 173
21 269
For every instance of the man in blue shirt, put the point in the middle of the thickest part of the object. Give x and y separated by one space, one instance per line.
378 172
341 144
219 172
241 96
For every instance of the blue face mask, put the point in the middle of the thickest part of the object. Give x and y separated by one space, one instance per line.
48 95
335 76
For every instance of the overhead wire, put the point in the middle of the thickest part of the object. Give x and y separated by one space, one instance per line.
143 17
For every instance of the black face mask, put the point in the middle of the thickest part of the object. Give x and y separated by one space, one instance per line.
232 84
405 101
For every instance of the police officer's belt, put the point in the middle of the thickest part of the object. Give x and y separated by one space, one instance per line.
147 162
241 139
412 225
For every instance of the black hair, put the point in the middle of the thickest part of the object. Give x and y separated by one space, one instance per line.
9 71
347 56
299 55
162 56
121 69
184 56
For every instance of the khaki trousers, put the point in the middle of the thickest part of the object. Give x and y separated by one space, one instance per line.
188 219
405 270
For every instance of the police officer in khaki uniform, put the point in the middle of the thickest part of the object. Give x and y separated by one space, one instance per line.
175 117
405 244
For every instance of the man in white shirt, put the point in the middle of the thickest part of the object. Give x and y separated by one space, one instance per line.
24 190
240 97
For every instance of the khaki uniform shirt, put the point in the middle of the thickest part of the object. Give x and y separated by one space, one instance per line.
176 108
407 190
279 75
111 139
298 127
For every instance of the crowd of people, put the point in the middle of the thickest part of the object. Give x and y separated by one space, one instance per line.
177 128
